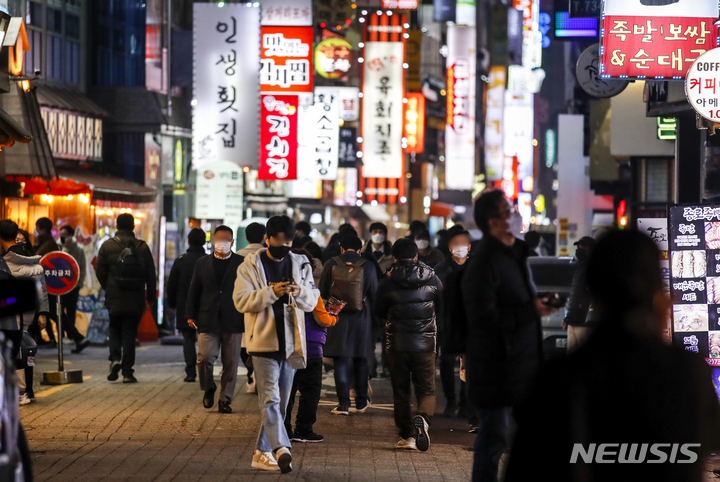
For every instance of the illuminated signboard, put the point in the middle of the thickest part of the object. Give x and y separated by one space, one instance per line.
567 27
518 130
414 126
287 12
333 57
494 156
226 55
278 137
286 60
318 136
655 41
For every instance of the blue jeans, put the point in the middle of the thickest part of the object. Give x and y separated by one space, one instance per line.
273 379
490 443
342 381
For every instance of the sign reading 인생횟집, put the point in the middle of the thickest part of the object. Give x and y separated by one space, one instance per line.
702 85
694 245
226 53
656 41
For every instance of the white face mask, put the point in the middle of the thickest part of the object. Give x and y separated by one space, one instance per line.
378 238
422 243
516 224
222 247
461 252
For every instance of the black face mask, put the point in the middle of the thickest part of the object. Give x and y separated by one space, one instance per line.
278 252
582 254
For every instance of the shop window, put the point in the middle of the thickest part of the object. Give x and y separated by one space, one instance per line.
72 26
72 62
54 20
53 70
33 14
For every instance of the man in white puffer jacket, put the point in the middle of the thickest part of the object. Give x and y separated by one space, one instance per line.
268 283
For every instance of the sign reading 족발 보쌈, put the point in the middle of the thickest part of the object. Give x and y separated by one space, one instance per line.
278 137
460 125
649 39
382 110
702 85
226 53
694 245
286 65
318 136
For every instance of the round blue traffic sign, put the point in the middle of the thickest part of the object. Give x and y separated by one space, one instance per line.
61 272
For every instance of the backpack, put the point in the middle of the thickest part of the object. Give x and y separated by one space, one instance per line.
130 268
348 283
456 325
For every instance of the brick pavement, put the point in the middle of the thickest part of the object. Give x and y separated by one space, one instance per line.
158 430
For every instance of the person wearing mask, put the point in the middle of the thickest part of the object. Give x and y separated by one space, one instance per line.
309 380
274 289
254 233
416 227
126 271
178 288
459 246
624 390
24 266
578 320
302 234
23 239
350 340
504 329
44 242
379 246
211 311
69 301
426 253
406 302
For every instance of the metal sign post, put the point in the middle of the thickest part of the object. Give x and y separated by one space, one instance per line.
61 277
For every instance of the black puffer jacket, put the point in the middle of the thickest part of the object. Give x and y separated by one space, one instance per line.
406 301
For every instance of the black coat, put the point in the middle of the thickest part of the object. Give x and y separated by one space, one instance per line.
352 335
442 271
578 303
178 285
211 305
119 301
406 301
504 345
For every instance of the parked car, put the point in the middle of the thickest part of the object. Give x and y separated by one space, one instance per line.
553 278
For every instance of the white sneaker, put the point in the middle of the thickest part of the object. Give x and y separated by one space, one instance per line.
264 461
24 399
360 410
251 388
407 444
423 437
284 459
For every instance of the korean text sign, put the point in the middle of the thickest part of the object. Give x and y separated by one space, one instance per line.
494 153
318 136
287 12
695 279
460 126
414 126
382 110
278 137
701 85
286 60
226 53
643 41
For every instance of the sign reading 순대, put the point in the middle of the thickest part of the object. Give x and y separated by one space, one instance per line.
382 110
651 39
225 86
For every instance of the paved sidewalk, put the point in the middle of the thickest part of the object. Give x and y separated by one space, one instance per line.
158 430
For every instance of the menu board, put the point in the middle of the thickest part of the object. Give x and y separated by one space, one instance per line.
695 279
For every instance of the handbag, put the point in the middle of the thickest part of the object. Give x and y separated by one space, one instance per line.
298 358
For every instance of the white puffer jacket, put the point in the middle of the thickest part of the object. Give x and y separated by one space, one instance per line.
28 268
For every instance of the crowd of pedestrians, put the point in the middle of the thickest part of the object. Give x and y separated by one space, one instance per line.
284 307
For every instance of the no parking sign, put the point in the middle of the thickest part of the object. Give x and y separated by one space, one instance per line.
61 272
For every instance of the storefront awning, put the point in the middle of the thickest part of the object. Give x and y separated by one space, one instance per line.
78 181
64 98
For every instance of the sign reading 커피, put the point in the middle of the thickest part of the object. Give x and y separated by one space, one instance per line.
61 272
642 39
226 53
382 110
702 87
460 128
278 137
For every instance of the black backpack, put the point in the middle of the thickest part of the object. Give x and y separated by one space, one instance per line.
130 268
348 283
456 325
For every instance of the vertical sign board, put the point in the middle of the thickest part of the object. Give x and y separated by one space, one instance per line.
460 128
226 55
655 41
518 130
414 126
286 61
347 155
657 230
318 136
278 138
494 154
287 12
382 110
219 193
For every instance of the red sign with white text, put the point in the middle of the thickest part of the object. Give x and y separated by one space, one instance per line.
650 41
400 4
278 137
286 63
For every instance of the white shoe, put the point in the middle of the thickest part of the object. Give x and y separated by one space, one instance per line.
360 410
407 444
423 437
251 388
264 461
24 399
284 459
